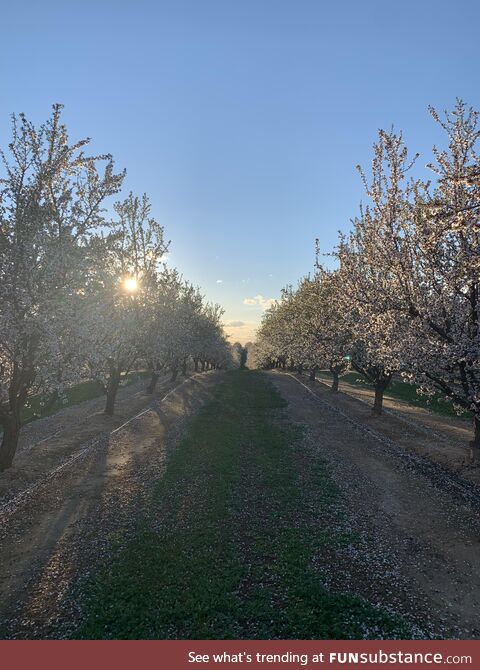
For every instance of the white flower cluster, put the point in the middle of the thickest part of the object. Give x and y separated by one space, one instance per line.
405 296
83 296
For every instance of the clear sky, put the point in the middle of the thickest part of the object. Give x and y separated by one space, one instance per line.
242 119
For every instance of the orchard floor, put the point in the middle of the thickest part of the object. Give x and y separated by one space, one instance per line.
67 497
444 439
246 505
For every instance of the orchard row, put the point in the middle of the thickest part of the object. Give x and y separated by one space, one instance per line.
404 297
83 294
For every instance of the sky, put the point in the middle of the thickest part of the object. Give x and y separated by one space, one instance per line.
243 120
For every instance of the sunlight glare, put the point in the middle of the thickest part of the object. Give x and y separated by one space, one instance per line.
130 284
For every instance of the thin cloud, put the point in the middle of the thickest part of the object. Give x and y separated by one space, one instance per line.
219 281
236 324
264 303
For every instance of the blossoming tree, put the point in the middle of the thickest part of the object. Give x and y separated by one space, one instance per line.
51 197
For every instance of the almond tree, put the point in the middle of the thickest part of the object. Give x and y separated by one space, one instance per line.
189 327
424 244
124 287
51 197
182 327
323 324
159 342
375 264
209 346
276 333
444 350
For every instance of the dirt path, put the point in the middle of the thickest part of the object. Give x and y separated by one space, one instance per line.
47 442
448 437
234 538
56 535
407 530
419 525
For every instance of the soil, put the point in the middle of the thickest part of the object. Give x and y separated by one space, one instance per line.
444 439
82 489
409 495
418 522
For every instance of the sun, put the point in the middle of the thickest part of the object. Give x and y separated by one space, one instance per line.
130 284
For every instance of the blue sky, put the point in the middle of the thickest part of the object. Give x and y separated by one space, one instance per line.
243 120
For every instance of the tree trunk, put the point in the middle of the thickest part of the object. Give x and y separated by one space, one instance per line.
174 374
112 388
203 366
153 382
380 387
11 432
378 402
300 369
335 381
312 374
184 368
195 362
475 443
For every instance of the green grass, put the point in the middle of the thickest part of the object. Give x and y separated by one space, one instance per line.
399 390
226 548
35 408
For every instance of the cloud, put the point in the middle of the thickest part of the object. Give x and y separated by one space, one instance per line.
264 303
219 281
241 333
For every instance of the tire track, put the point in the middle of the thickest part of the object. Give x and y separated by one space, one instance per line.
464 491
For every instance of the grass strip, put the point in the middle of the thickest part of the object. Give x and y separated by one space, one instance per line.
400 390
228 546
35 407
